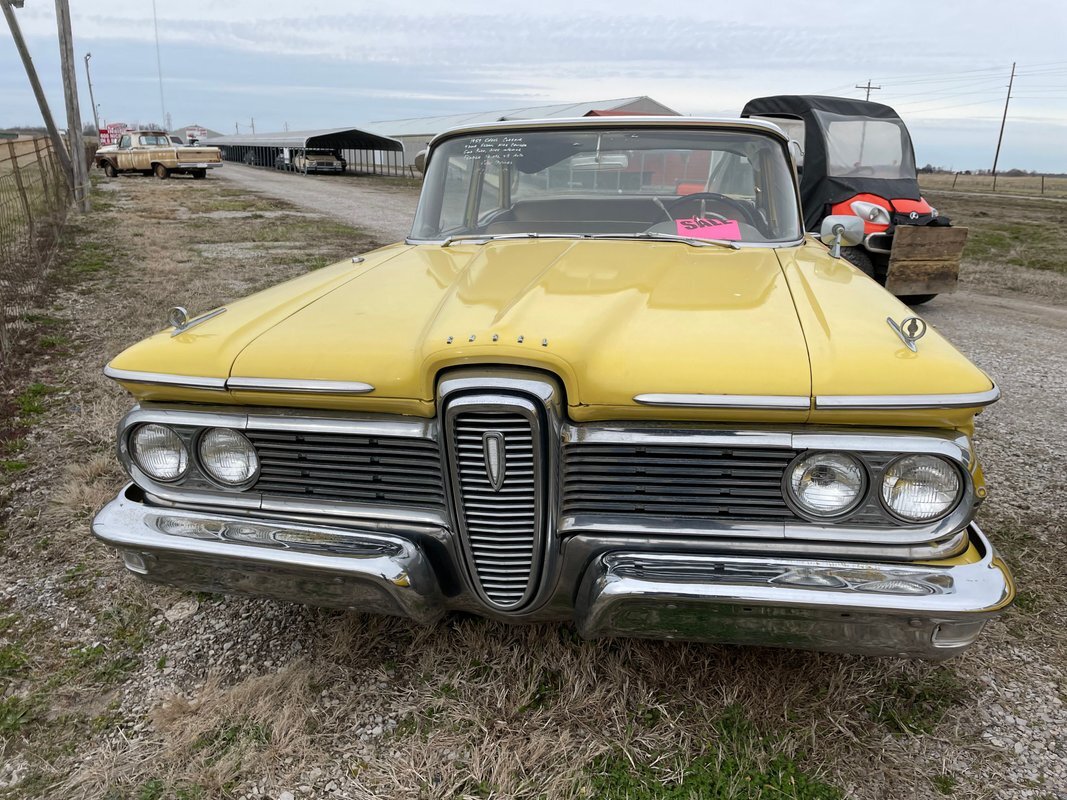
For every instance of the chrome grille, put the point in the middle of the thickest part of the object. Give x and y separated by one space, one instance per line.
389 470
680 481
501 529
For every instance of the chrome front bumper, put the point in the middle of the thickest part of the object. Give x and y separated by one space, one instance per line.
620 589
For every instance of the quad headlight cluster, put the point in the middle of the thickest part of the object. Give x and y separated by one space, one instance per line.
222 455
912 488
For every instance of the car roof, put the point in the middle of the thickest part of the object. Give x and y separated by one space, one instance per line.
613 122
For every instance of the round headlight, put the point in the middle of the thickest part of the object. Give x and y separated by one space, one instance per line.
228 457
920 488
159 452
827 484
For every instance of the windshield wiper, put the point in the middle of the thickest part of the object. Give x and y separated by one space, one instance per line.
670 237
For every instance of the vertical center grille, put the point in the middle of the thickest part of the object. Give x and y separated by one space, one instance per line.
495 454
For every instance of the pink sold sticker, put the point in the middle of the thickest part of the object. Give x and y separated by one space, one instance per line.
700 228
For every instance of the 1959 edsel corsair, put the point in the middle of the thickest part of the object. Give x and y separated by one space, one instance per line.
606 379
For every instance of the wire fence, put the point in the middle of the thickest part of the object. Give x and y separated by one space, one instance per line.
34 200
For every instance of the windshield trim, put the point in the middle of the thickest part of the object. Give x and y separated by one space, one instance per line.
486 239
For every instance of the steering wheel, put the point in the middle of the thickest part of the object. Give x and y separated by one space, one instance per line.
714 196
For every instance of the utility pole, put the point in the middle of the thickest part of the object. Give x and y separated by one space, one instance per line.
253 121
89 80
1003 119
159 68
35 83
80 171
868 87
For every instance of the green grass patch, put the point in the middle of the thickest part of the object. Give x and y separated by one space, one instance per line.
31 402
12 466
13 660
15 712
945 784
55 342
739 764
917 704
91 258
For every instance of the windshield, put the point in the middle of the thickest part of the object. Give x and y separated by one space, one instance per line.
696 184
865 147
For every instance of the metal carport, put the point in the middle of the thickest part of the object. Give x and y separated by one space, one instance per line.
364 151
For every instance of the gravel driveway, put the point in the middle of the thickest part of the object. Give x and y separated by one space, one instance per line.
385 211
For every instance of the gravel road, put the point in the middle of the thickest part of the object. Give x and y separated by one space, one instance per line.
382 210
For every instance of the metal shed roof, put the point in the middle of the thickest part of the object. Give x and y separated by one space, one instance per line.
329 138
428 126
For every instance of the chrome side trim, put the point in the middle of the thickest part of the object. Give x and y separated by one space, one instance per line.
740 401
899 402
298 386
166 379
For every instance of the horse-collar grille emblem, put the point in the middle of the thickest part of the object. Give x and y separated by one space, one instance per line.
495 459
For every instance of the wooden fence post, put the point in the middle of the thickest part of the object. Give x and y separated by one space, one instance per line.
955 178
17 171
1042 184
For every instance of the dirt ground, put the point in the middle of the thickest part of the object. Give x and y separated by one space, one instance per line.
110 688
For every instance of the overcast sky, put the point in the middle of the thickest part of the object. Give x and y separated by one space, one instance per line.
319 63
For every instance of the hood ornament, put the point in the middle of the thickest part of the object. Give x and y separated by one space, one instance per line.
178 318
910 330
495 459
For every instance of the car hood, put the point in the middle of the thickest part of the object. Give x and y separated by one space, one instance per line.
613 319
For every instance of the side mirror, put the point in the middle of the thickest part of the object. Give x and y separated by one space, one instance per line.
841 229
797 152
420 160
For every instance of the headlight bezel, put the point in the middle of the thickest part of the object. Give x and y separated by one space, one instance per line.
136 460
208 475
961 490
861 499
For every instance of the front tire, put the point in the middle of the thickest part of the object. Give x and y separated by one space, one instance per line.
859 258
161 172
109 170
916 299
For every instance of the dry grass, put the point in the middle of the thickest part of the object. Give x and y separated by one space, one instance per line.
1020 185
117 689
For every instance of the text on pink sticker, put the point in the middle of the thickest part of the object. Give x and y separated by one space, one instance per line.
700 228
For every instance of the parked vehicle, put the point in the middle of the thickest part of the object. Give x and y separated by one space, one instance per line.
582 389
152 152
857 158
310 160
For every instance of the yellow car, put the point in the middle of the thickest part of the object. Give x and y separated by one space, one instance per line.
607 379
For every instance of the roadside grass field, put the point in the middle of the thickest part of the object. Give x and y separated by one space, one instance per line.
1006 184
1014 244
112 688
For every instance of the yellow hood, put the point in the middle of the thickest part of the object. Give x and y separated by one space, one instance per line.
614 319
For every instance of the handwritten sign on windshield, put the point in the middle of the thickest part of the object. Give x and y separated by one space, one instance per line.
504 148
700 228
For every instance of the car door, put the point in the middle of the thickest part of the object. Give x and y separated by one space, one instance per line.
124 156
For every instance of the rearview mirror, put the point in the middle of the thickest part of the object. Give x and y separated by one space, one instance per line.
841 229
609 161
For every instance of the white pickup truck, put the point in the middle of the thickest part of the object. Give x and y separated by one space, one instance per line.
152 152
